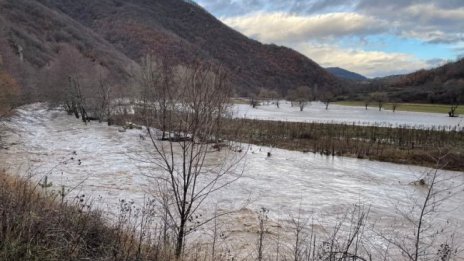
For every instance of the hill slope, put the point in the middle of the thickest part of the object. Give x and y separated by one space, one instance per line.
121 32
38 31
453 71
444 84
345 74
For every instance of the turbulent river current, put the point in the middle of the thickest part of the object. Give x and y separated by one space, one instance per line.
100 162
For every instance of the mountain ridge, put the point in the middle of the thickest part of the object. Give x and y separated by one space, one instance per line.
345 74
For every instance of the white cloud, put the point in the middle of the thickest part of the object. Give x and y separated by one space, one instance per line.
282 27
304 33
301 26
368 63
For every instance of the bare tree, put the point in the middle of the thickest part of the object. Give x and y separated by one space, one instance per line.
302 96
71 81
299 225
159 89
453 108
274 95
345 242
104 99
395 105
327 98
269 96
456 99
291 96
380 98
253 101
192 113
264 95
367 101
149 80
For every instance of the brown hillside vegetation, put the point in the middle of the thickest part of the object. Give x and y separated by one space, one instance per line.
37 32
116 33
442 74
8 92
9 89
443 85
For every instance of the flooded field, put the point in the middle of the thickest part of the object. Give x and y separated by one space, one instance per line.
316 112
102 163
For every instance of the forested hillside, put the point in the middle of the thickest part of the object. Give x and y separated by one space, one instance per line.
118 34
444 84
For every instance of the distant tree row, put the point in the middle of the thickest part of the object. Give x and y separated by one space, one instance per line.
300 96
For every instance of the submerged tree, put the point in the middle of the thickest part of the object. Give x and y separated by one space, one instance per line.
105 94
367 100
301 95
394 103
269 96
380 98
158 92
78 84
254 101
327 98
457 97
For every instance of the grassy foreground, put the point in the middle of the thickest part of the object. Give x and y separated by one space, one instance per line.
414 107
36 226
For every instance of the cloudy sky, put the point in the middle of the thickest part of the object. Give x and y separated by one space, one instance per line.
371 37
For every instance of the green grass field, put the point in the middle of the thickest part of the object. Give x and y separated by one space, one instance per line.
239 101
416 107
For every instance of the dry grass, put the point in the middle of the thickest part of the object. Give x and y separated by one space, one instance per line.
36 226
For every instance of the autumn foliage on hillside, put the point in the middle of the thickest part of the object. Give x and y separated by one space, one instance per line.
442 85
117 35
442 74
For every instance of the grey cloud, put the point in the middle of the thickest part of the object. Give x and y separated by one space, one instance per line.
446 40
331 4
431 21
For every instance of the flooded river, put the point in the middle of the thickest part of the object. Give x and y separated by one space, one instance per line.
99 161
